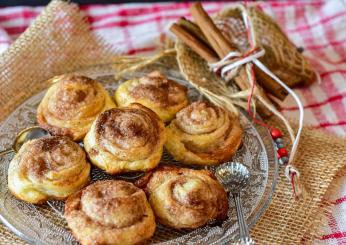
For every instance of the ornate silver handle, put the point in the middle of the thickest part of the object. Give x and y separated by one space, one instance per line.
244 235
5 152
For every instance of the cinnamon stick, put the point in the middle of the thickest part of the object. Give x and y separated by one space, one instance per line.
208 41
198 46
216 39
193 29
222 47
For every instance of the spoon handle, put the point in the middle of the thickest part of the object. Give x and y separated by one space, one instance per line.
244 235
5 152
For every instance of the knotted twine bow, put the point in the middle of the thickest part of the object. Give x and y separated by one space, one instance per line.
229 67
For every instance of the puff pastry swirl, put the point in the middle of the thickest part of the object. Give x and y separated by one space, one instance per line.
110 212
48 168
165 97
203 134
71 104
126 139
185 198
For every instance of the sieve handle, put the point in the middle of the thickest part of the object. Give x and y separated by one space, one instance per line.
244 235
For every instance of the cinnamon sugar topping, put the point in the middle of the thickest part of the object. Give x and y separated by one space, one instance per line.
72 92
128 127
48 144
160 90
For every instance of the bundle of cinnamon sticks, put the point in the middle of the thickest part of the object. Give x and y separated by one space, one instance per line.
214 46
207 40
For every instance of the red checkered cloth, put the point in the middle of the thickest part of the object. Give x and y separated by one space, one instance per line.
317 26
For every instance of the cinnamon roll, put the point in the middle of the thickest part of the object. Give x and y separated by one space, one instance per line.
203 134
110 212
71 104
165 97
48 168
185 198
126 139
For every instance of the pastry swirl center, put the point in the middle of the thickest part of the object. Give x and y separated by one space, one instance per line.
191 192
73 94
53 158
127 128
158 89
113 205
200 118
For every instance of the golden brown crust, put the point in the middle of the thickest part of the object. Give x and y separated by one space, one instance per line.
126 139
160 90
71 104
165 97
110 212
203 134
48 168
184 198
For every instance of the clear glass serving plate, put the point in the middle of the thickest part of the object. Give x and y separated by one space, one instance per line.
44 224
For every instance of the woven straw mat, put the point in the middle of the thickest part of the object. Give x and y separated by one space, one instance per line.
59 41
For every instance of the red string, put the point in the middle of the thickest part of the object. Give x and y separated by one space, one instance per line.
253 78
292 184
249 52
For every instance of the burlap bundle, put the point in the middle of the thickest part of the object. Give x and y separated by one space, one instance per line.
281 57
59 41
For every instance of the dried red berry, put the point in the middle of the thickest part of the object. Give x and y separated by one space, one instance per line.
276 133
283 152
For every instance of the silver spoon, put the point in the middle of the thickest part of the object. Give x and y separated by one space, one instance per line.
25 135
234 177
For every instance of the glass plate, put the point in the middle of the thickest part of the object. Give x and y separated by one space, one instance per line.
44 224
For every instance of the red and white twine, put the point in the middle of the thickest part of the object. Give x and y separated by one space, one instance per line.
229 66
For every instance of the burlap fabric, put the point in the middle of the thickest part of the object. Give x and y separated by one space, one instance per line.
288 221
59 41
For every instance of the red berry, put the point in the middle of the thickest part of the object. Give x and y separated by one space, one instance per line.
283 152
278 156
276 133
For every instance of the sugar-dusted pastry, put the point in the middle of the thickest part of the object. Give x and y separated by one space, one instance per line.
184 198
203 134
71 105
48 168
110 212
126 139
155 91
